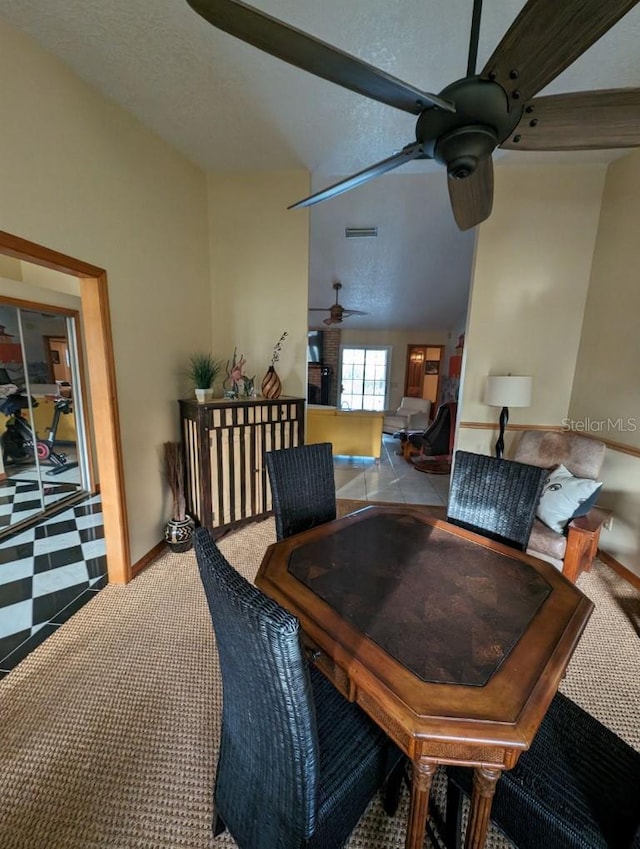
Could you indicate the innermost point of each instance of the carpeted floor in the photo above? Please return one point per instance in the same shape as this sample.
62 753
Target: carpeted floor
108 730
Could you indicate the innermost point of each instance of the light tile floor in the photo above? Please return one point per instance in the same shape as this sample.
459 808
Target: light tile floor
393 479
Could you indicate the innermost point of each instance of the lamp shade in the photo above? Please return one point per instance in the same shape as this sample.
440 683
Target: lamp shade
508 391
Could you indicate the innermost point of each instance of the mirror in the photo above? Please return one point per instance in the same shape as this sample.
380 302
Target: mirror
44 455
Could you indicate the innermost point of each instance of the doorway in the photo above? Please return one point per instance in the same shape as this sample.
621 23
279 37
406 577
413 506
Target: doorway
423 373
57 349
101 378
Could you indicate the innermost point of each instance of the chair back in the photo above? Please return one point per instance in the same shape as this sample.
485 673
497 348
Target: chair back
555 797
439 436
583 457
494 497
267 773
302 487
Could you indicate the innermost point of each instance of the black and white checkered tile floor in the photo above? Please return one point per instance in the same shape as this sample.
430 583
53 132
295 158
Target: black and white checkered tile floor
47 572
20 499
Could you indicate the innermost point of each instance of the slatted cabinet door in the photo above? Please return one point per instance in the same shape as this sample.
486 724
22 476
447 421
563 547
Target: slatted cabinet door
225 442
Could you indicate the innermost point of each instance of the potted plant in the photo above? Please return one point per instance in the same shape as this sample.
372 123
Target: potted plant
203 370
178 532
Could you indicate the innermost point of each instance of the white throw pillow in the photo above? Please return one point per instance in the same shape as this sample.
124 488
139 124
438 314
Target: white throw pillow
562 493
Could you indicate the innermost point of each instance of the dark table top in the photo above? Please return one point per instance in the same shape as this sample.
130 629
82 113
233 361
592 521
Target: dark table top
447 609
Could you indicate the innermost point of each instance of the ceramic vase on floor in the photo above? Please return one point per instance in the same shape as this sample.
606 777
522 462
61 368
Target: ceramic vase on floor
178 534
271 385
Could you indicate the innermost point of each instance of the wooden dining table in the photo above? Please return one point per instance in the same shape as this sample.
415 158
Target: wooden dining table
452 643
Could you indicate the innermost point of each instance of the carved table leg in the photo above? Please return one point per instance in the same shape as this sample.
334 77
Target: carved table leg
484 786
422 776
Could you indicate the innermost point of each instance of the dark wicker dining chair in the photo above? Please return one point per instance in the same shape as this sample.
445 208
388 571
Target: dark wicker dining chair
494 497
302 487
298 763
578 787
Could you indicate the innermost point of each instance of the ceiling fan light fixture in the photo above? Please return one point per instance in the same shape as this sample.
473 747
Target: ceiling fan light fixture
462 167
461 149
360 232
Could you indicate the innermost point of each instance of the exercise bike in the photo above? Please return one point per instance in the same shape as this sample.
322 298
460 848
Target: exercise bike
18 443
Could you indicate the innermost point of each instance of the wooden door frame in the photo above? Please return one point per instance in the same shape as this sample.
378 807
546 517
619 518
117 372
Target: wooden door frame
94 300
410 347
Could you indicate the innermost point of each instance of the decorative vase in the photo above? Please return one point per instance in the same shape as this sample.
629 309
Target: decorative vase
178 534
271 386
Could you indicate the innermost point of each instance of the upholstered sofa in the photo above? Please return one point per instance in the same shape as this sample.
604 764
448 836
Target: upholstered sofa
412 414
570 552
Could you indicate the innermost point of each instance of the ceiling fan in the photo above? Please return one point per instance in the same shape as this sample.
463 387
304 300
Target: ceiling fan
462 126
336 311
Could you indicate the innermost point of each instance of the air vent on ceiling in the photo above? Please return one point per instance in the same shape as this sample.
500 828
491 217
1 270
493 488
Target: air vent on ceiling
360 232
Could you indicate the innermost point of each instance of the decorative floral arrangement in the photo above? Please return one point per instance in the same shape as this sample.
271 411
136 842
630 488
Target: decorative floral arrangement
235 374
237 382
276 351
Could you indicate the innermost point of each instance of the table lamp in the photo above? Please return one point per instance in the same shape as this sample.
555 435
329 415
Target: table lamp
507 391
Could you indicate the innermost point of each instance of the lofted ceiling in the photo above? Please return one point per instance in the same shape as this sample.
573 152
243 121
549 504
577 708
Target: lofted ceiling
226 105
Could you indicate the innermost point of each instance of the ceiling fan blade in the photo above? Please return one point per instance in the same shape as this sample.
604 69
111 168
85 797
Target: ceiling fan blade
472 198
545 38
347 313
319 309
312 55
411 151
581 120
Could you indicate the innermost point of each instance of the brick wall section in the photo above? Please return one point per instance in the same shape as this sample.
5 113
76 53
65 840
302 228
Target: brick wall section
331 358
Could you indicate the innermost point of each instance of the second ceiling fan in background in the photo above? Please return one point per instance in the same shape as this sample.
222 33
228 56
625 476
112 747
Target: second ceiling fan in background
336 311
462 126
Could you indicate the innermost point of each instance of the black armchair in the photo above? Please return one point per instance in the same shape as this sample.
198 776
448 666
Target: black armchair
437 439
298 763
302 487
576 788
495 498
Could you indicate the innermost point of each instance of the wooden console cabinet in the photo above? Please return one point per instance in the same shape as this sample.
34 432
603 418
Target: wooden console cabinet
224 444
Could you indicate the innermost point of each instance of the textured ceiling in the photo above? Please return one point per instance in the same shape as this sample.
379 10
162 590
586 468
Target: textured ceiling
226 105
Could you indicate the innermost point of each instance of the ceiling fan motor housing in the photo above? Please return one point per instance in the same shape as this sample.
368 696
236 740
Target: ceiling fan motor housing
460 139
461 149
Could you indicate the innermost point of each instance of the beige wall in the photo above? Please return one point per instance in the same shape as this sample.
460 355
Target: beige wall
50 280
28 291
259 271
10 268
530 280
606 391
398 341
83 177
